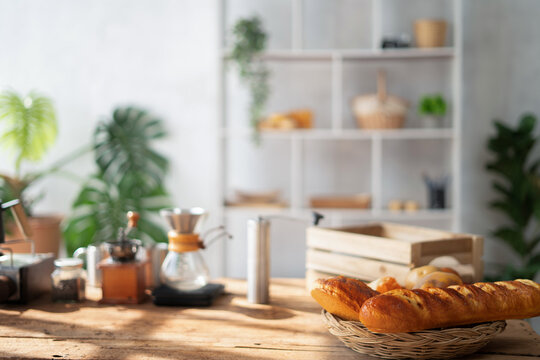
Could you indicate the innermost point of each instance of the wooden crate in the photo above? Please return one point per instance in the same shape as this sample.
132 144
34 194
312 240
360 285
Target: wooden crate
384 249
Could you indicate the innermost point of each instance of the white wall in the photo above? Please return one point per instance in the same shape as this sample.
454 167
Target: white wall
90 56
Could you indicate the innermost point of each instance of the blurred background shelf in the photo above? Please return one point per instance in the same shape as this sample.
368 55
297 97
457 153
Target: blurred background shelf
354 54
406 133
361 214
322 54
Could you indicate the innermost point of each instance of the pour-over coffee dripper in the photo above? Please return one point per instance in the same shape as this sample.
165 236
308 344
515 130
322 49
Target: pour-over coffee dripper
184 267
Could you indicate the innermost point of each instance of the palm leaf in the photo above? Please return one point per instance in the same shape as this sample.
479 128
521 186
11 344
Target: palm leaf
29 125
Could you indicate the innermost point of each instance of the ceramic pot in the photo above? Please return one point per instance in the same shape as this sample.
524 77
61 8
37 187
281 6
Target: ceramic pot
432 122
46 234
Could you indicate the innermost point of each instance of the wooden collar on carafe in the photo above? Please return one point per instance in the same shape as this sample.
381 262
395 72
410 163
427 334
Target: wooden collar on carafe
184 242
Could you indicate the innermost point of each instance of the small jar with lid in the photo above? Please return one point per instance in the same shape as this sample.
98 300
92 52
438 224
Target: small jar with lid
68 280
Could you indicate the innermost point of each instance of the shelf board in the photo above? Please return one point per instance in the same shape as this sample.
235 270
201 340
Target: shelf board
368 214
355 54
333 134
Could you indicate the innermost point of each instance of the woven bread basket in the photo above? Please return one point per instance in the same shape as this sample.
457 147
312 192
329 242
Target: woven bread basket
428 344
380 110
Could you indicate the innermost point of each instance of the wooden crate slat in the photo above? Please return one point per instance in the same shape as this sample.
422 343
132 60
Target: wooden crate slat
364 269
374 250
443 247
477 253
361 245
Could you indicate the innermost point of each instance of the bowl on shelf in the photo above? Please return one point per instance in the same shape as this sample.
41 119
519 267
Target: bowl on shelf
294 119
380 110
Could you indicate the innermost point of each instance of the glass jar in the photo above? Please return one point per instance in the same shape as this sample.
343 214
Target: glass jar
68 280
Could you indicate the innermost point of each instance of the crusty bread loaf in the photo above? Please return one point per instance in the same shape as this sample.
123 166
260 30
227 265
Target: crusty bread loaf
342 296
384 284
405 310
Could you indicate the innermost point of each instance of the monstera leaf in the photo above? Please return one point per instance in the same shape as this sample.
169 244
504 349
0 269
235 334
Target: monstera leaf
129 178
123 148
100 210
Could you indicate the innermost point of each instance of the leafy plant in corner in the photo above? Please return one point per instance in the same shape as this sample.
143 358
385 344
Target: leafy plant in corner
130 175
517 186
249 42
432 105
28 128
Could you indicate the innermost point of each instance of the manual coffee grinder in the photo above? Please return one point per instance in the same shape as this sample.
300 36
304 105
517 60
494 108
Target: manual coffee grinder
184 275
123 275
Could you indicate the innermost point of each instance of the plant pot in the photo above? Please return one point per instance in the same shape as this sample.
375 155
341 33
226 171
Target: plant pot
431 121
45 233
429 33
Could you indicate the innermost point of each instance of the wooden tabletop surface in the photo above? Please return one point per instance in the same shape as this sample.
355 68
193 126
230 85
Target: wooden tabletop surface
289 328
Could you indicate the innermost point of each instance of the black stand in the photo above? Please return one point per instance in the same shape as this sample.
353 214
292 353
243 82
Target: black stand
166 296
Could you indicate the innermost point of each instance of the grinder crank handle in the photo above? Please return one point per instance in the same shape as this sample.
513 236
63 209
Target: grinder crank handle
133 219
21 220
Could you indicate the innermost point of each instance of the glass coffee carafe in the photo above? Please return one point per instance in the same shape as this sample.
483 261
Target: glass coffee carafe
184 267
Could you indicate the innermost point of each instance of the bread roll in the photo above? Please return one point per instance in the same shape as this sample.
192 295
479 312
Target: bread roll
450 270
413 310
416 274
342 296
438 279
384 284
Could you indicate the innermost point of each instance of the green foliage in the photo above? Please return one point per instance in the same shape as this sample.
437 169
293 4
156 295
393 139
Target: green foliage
518 189
432 105
249 42
28 128
29 125
130 177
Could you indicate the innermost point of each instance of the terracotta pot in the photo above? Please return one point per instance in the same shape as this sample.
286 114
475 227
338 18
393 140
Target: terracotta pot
429 33
45 233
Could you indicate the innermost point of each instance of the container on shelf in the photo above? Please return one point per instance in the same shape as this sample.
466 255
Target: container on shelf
371 251
429 33
380 110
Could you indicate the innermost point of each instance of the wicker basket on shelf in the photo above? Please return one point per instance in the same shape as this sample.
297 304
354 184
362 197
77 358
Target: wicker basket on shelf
380 110
428 344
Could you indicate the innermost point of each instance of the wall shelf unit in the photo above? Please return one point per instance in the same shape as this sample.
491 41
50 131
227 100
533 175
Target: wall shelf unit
343 72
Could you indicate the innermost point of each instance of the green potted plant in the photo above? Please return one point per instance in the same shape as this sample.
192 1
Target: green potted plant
129 177
249 42
517 185
28 128
432 108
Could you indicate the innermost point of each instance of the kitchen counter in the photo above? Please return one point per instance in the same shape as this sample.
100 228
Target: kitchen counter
290 328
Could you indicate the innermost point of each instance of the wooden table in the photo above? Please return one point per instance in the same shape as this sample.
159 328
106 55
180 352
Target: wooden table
290 328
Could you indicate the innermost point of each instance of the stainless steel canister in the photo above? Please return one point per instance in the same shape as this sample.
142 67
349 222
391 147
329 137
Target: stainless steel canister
258 262
156 255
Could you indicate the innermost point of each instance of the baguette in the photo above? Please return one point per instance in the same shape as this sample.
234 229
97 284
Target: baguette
405 310
342 296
